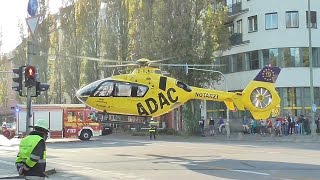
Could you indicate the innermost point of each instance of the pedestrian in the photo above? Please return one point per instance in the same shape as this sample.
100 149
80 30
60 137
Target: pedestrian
201 126
291 125
254 125
318 125
269 125
152 129
221 124
245 125
211 126
263 128
31 159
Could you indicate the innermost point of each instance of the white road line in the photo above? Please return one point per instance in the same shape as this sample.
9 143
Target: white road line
249 146
136 157
110 143
182 162
251 172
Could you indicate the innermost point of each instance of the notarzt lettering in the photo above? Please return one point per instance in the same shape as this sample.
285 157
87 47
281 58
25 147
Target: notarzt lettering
207 95
152 104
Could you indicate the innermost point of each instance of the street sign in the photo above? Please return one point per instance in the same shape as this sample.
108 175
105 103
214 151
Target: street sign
32 23
32 7
314 108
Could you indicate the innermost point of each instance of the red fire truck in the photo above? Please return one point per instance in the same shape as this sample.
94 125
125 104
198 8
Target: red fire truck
65 120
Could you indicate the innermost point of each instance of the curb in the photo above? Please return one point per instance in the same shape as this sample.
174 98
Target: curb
47 173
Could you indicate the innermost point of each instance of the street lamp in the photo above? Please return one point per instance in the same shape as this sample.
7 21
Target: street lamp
226 89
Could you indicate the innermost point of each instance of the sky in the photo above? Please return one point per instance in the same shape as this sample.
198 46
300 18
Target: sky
11 13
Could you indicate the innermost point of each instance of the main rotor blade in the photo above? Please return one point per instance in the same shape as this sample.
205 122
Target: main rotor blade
193 65
53 57
120 65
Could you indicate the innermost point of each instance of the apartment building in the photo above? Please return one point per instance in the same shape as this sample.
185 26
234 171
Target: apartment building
273 32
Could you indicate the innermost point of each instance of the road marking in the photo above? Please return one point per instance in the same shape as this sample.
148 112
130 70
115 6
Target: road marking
249 146
250 172
110 143
132 157
180 162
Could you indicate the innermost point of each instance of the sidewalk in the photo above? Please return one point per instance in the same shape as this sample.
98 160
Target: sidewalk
222 137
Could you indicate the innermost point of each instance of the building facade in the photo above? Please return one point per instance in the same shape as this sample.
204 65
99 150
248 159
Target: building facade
274 33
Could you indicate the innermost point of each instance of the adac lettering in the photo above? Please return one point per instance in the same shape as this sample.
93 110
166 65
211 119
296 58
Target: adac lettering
152 105
207 95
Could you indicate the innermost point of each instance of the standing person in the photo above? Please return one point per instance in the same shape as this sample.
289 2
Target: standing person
269 125
263 127
221 124
245 125
201 126
152 129
254 126
211 126
291 124
318 125
31 159
277 127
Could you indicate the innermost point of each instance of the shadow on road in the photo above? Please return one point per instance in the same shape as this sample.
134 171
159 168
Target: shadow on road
244 169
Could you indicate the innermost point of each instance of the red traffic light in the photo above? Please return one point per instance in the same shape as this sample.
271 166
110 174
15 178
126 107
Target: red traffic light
30 72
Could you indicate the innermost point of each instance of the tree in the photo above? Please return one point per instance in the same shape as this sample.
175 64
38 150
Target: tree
71 45
89 32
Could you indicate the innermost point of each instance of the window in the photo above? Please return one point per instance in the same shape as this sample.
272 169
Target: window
270 56
272 21
230 28
239 26
142 90
240 61
292 19
183 86
105 89
253 23
122 89
291 57
254 60
313 15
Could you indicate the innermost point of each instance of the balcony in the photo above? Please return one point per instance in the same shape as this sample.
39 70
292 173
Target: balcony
236 9
236 39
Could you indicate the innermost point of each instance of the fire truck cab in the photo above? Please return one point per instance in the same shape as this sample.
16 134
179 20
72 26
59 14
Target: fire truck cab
65 120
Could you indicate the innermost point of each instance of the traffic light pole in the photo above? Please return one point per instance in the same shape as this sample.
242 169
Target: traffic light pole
30 52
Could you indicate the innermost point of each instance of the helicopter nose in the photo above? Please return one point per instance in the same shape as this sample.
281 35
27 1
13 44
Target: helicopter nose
85 92
82 94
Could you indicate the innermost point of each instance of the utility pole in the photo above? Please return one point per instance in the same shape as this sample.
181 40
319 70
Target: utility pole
313 123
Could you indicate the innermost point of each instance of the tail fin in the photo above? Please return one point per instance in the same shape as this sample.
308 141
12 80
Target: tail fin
260 96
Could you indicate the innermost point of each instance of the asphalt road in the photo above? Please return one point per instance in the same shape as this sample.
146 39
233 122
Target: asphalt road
113 157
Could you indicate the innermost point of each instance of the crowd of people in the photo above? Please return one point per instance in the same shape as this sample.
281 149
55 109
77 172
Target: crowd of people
279 126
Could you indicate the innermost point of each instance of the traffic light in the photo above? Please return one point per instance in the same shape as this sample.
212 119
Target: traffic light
18 79
30 76
41 87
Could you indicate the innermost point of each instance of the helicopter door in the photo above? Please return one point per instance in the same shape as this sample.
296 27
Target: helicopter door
104 95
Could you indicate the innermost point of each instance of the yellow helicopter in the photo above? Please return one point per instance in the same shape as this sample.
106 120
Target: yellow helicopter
147 92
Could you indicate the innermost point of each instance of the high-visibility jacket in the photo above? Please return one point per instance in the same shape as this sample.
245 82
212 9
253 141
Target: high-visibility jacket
32 154
152 129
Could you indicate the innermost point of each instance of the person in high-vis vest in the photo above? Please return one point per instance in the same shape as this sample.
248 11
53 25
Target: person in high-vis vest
152 129
31 159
